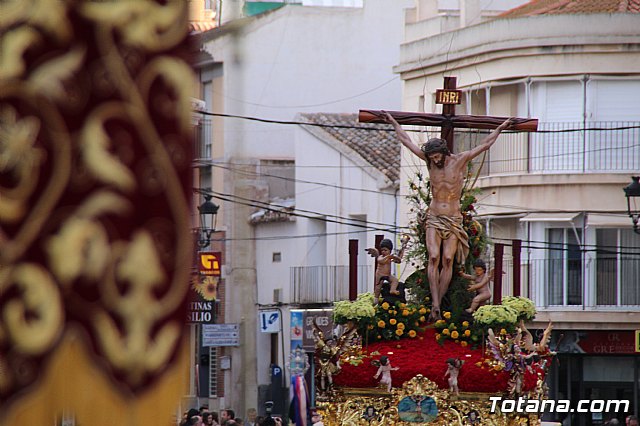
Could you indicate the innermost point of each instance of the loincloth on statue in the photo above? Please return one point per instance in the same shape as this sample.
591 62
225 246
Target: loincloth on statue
447 226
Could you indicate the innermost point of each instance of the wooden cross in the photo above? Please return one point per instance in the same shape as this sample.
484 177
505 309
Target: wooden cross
448 120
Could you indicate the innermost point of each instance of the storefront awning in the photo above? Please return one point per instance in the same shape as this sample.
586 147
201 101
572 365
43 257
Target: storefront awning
605 220
550 217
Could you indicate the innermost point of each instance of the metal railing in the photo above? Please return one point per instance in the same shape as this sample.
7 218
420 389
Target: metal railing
607 146
325 284
590 282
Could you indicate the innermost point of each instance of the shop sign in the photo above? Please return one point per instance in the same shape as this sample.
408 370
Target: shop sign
209 263
595 341
324 320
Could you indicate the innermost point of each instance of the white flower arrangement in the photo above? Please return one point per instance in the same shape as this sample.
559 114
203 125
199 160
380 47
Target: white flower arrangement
357 310
491 315
525 308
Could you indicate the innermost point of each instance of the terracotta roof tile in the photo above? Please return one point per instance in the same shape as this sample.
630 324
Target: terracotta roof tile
201 26
380 148
556 7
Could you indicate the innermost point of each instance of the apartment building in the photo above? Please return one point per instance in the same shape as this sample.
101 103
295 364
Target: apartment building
573 66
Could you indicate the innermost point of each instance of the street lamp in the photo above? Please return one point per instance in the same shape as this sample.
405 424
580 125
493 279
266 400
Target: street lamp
208 213
632 191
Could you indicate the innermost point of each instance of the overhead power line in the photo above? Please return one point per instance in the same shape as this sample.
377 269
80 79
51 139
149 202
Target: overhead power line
385 129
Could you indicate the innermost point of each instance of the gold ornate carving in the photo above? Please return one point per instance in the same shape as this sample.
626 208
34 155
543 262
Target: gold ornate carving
349 407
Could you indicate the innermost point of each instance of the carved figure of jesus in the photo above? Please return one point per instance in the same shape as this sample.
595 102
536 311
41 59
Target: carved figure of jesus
446 239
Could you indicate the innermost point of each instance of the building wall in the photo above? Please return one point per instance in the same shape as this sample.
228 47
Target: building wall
274 66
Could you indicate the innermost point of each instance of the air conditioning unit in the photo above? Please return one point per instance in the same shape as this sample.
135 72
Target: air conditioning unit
277 295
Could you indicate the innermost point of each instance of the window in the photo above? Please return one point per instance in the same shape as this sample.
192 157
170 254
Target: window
564 267
279 175
206 137
276 257
617 267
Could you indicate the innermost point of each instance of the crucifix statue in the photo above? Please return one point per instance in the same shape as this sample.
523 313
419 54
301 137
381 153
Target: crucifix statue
446 239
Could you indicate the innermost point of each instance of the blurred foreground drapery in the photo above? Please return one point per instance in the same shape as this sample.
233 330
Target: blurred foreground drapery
95 177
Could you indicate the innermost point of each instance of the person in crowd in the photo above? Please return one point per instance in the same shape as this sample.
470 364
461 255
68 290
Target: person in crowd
227 414
210 419
252 413
194 418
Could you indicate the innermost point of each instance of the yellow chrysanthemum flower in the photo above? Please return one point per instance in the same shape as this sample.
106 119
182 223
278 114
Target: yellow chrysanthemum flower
467 333
399 332
381 324
405 313
402 305
392 321
503 331
401 326
445 331
447 315
438 336
385 306
422 319
422 311
454 334
412 333
463 343
370 327
465 323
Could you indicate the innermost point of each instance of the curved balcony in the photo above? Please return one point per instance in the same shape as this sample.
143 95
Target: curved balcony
605 147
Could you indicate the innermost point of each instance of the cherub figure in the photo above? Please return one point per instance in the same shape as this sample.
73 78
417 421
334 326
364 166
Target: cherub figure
328 355
384 260
481 281
542 347
453 371
385 369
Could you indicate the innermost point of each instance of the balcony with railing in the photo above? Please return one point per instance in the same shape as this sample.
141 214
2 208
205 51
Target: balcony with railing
584 283
600 147
324 284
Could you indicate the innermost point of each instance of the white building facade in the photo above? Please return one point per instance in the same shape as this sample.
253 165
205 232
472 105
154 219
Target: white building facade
558 190
289 61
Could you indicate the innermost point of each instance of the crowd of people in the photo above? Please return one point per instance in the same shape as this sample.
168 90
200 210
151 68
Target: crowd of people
227 417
